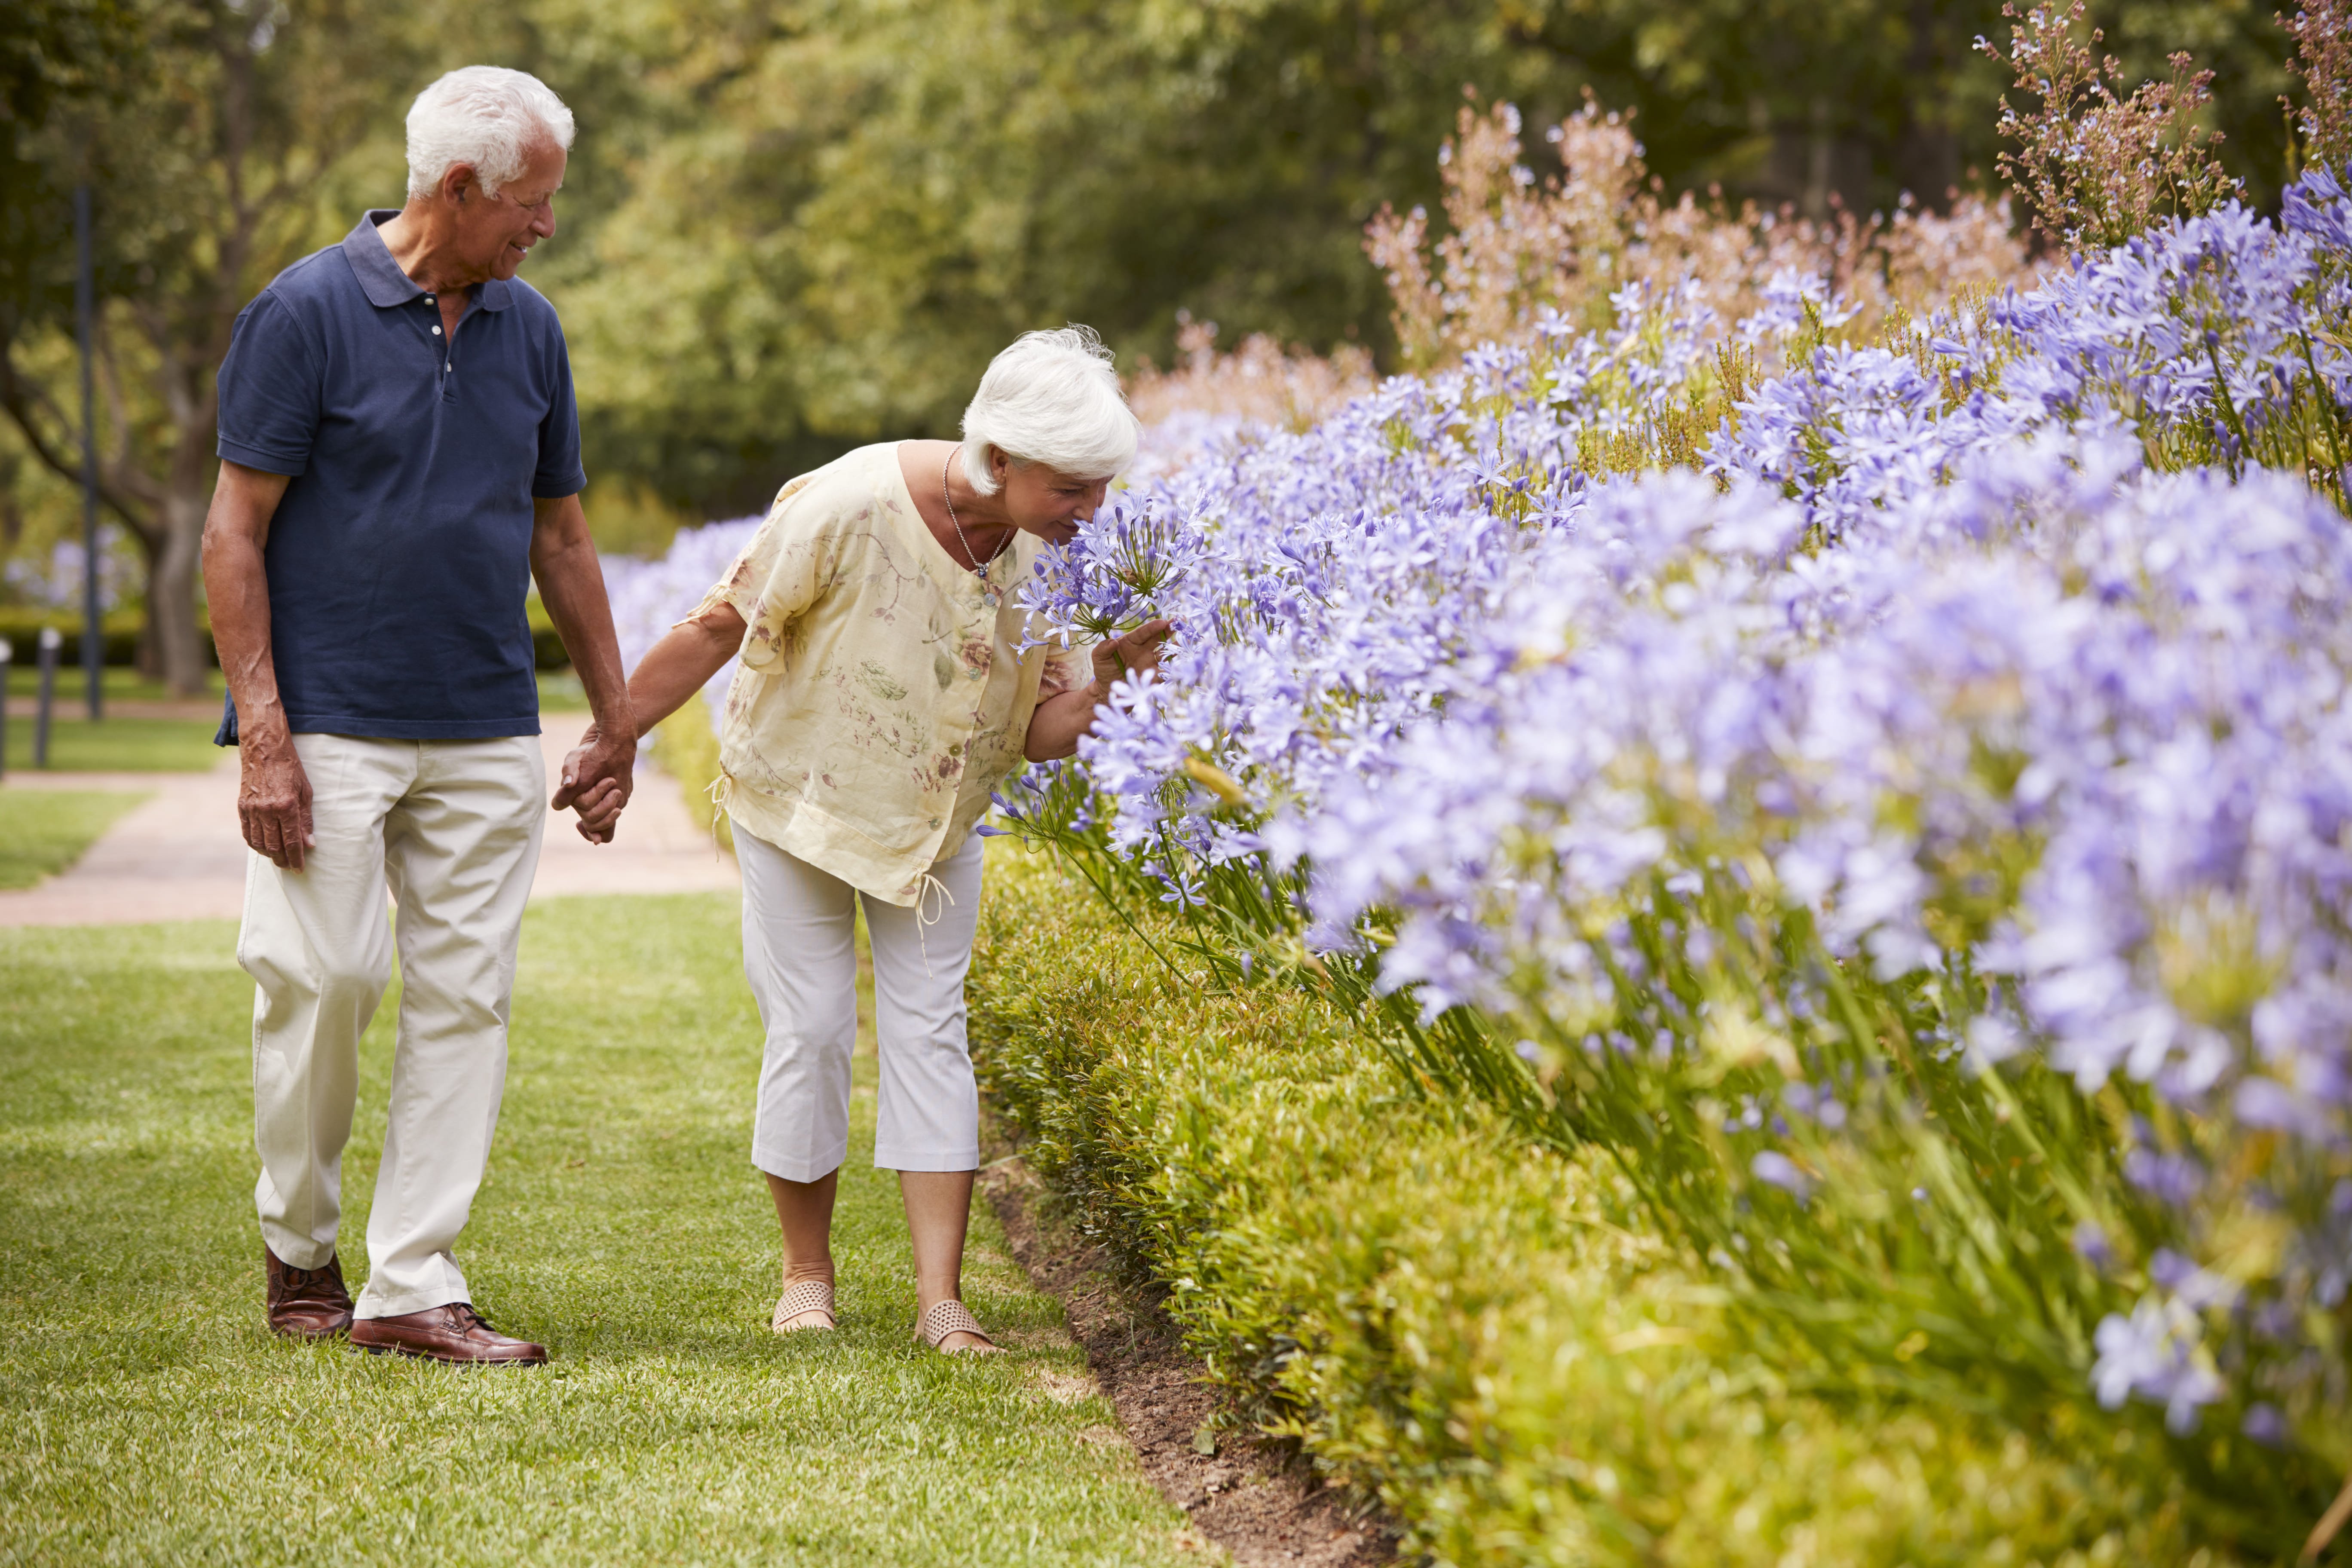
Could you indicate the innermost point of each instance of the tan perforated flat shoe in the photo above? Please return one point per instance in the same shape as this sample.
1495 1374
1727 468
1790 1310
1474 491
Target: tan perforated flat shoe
808 1296
951 1317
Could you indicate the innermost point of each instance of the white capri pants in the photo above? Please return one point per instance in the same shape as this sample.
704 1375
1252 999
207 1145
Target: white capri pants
800 954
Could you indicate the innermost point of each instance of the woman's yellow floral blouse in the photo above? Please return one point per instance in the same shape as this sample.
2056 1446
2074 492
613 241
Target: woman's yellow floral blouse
880 697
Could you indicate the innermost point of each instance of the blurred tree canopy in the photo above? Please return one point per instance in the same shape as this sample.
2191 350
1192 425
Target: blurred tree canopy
212 137
53 52
845 210
791 226
827 215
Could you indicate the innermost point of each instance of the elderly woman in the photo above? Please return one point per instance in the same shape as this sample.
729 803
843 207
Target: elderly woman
884 693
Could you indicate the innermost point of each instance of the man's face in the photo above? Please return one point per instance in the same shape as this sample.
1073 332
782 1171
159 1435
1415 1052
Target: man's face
495 233
1045 501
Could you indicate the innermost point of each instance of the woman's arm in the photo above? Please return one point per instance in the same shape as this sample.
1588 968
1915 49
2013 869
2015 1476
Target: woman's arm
682 664
1060 720
673 670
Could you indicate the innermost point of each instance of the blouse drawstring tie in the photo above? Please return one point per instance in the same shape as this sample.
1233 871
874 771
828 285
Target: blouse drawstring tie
923 890
721 792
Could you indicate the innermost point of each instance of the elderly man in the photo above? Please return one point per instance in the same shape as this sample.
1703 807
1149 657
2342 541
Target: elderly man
400 454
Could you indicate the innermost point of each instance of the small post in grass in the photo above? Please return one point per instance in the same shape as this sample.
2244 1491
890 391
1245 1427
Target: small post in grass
50 641
6 653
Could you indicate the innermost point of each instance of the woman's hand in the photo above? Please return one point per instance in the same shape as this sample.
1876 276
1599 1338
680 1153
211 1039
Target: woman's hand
599 806
673 671
596 782
1123 656
1060 719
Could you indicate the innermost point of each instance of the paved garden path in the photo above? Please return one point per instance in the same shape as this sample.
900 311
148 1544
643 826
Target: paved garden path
177 856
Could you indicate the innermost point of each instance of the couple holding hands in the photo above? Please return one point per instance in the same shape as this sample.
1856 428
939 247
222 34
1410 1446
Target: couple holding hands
400 459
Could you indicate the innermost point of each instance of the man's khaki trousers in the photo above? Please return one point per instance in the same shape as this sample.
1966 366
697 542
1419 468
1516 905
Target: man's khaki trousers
451 828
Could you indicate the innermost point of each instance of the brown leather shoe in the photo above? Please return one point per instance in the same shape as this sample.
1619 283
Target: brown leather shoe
307 1304
455 1333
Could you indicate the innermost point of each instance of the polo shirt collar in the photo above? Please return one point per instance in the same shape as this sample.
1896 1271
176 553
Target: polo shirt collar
383 281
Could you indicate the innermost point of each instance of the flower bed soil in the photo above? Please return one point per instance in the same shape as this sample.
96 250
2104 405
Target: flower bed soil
1253 1498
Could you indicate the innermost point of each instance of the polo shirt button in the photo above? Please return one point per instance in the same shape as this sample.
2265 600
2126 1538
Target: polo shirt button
436 331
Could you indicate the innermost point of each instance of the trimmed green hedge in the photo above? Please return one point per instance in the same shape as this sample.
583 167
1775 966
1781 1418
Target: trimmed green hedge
1470 1329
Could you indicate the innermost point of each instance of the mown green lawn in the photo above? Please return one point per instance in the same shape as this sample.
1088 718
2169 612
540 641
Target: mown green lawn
43 831
150 1417
117 683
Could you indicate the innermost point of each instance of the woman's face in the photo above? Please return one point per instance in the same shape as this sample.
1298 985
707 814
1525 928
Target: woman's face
1045 501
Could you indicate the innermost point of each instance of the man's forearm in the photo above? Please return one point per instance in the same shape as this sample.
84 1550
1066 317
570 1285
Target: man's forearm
237 593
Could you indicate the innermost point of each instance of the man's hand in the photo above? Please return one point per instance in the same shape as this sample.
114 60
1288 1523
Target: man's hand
598 775
273 798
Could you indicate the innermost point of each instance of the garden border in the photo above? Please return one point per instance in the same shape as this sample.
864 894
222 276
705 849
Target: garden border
1255 1499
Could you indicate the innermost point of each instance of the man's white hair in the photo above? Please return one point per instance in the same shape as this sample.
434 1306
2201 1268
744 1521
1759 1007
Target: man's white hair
488 116
1051 398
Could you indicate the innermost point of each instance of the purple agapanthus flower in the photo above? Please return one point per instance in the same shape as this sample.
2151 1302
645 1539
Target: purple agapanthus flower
2000 654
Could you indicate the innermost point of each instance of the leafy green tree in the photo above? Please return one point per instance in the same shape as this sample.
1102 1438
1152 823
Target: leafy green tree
213 150
851 207
52 52
789 226
817 219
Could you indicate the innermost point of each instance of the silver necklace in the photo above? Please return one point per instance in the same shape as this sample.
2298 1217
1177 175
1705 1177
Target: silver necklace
979 567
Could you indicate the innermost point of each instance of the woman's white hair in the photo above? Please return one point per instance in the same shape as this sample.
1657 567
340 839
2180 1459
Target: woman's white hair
488 116
1051 398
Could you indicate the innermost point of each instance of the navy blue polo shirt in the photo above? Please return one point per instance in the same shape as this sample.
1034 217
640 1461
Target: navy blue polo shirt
400 559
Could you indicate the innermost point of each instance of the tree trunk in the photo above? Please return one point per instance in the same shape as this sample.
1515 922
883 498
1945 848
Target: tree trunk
185 380
146 656
1815 203
1927 158
171 591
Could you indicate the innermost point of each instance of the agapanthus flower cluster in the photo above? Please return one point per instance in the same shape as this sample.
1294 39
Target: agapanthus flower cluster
1126 566
2068 733
2216 338
1993 675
